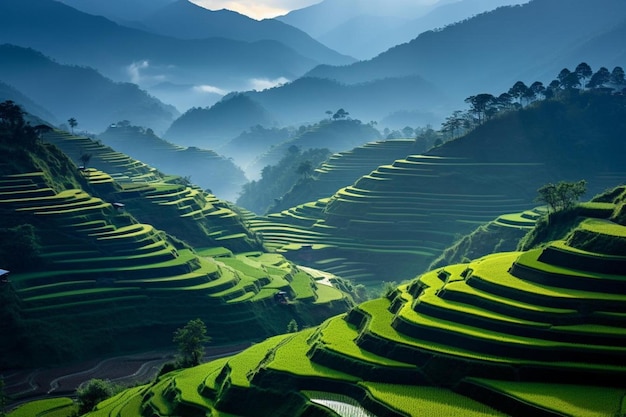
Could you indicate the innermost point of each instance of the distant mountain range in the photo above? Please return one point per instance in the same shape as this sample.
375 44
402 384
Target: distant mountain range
493 50
365 28
147 59
433 74
58 92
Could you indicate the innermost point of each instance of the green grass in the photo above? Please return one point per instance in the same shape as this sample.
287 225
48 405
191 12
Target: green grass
571 400
53 407
339 336
291 357
419 401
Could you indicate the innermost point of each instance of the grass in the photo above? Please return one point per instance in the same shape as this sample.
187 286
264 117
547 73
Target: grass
53 407
571 400
420 401
339 336
291 357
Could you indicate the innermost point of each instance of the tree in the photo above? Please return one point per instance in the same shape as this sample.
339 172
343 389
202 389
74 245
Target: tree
617 76
340 114
94 392
519 91
11 114
583 71
292 326
561 196
191 339
305 169
85 158
73 123
599 78
480 104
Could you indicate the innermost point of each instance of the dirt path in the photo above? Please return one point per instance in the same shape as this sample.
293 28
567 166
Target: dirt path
127 370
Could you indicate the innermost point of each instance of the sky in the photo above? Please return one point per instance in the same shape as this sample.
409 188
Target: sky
257 9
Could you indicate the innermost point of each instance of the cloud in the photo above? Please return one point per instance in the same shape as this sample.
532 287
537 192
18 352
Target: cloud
134 70
260 84
205 88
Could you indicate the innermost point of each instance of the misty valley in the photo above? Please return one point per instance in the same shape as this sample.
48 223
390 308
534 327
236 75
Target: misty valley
355 208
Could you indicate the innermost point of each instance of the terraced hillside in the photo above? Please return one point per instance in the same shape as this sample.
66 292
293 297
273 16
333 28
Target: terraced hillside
97 265
178 207
539 332
90 279
204 167
343 169
391 223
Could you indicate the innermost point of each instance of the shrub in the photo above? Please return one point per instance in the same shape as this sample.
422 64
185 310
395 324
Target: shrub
93 392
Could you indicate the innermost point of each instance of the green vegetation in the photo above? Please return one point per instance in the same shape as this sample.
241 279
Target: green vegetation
93 392
295 167
112 244
53 407
561 196
469 338
191 340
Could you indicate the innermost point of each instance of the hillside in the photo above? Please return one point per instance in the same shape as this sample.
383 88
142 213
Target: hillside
186 20
391 223
119 245
535 332
214 126
79 92
203 167
365 30
439 69
336 135
343 169
130 55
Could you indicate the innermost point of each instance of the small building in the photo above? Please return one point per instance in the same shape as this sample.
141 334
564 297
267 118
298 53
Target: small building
118 206
4 276
281 297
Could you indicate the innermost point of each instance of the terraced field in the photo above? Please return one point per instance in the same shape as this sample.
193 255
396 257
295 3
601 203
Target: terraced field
206 168
122 284
390 224
514 333
201 219
344 168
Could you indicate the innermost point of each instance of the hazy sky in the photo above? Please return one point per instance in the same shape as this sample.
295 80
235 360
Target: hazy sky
258 9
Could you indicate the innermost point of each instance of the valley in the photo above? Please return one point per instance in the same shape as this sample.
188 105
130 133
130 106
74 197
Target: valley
206 214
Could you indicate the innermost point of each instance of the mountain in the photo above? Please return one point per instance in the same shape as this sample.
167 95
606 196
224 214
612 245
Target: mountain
33 109
113 248
185 20
79 92
365 29
126 54
493 50
212 127
305 100
532 332
203 167
121 11
391 223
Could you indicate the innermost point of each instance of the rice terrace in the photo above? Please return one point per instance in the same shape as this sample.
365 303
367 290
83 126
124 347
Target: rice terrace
312 209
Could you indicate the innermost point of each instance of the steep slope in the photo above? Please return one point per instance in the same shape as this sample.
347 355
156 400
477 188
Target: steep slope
126 54
95 280
538 332
343 169
203 167
450 60
367 35
82 93
186 20
390 224
214 126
